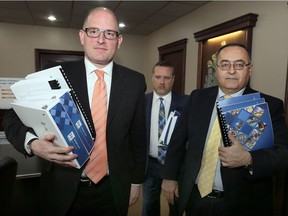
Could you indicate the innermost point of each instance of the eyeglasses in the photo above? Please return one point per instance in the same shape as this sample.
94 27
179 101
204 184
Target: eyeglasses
95 32
238 65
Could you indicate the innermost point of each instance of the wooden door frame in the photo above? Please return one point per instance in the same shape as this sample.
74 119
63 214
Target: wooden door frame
245 22
177 46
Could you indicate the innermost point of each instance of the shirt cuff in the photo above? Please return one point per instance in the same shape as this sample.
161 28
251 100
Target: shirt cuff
28 138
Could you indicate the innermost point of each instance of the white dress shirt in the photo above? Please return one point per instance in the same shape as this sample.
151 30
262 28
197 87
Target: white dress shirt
154 139
218 185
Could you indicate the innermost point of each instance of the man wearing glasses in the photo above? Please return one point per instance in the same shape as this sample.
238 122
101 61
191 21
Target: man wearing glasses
121 136
241 182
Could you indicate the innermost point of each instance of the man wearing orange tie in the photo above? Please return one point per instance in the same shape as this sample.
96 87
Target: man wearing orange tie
111 98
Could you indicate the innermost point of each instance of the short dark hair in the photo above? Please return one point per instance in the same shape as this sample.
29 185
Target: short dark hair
231 45
164 63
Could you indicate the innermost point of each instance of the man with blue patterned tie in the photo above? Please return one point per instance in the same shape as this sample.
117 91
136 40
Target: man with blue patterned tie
159 104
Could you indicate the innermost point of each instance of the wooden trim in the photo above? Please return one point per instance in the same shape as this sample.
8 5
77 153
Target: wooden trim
245 22
174 47
43 56
165 49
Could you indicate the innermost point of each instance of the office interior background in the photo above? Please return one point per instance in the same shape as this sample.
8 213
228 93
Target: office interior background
140 52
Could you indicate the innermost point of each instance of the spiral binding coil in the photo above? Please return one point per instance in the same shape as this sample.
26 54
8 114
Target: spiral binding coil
78 102
223 126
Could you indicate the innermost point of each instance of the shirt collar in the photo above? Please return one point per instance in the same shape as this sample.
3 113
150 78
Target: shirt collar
165 97
221 93
90 67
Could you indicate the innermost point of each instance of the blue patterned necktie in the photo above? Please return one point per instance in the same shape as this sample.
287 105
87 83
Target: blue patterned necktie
161 123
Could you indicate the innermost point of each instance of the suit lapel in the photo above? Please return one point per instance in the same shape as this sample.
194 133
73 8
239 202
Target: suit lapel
118 86
77 77
205 108
249 91
174 102
149 99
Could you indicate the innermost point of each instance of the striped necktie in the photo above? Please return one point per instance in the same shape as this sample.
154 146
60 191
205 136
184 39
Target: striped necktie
161 123
97 165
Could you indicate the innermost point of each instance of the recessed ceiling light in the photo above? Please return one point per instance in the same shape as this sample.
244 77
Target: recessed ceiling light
52 18
121 25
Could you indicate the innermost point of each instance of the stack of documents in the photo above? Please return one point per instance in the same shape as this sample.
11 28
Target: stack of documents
169 128
249 120
43 102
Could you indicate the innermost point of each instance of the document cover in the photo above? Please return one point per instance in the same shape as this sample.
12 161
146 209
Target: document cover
44 103
248 118
58 116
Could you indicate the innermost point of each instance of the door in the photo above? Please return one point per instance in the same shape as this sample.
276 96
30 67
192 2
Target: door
175 53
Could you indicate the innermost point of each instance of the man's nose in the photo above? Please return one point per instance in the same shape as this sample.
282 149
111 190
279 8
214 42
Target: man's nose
101 38
232 69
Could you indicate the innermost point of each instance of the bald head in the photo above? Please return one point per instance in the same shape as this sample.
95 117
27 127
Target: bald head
99 11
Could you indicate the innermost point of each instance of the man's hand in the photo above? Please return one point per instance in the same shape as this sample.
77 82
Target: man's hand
170 189
45 149
235 155
134 194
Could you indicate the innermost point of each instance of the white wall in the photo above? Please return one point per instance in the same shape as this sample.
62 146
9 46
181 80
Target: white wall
269 50
133 53
270 40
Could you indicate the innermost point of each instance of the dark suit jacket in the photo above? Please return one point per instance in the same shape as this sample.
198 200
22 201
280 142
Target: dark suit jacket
126 140
245 194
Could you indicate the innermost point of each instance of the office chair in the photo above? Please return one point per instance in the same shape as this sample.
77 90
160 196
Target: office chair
8 170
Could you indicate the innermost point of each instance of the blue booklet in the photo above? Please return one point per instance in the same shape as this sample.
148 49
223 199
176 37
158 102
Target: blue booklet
55 112
249 120
240 99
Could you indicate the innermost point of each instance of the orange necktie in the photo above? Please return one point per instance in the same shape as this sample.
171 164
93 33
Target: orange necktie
97 165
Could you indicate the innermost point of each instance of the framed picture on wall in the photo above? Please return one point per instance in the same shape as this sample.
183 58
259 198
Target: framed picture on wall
44 57
238 30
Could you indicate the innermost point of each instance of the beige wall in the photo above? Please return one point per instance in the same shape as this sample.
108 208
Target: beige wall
270 40
17 44
269 51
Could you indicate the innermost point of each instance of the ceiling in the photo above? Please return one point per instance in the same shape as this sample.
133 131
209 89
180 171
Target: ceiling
140 17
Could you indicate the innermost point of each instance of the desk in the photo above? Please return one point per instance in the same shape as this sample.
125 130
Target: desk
27 167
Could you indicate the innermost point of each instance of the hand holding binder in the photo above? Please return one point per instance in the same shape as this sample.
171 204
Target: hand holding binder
248 118
44 103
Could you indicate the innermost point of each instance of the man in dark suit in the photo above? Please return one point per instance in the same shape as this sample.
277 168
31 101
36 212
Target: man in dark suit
162 80
242 182
65 189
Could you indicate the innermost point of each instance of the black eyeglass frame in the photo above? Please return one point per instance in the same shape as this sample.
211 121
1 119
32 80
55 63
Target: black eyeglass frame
105 31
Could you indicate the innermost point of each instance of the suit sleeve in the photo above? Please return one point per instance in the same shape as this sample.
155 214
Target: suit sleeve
15 130
177 147
138 137
271 161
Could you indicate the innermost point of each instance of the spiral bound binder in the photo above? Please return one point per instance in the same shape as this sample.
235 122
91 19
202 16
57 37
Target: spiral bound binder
248 119
223 126
79 105
47 102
